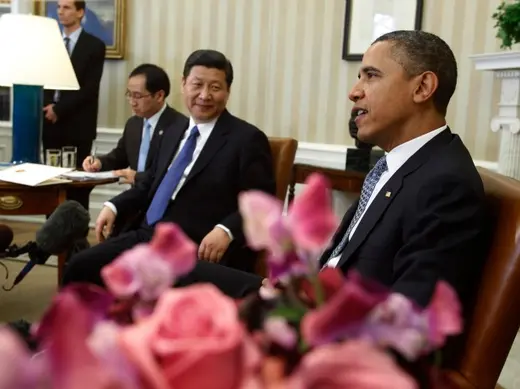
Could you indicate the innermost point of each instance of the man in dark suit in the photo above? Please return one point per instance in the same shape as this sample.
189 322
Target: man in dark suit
203 163
147 90
421 215
71 116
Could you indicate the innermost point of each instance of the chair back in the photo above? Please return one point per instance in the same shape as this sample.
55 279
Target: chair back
494 321
283 151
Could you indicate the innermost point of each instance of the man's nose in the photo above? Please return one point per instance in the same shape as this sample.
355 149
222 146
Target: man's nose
356 93
204 94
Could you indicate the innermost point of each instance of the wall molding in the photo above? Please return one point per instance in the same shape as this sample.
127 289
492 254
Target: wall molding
318 154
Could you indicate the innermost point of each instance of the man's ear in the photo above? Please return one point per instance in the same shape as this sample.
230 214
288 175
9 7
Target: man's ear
427 84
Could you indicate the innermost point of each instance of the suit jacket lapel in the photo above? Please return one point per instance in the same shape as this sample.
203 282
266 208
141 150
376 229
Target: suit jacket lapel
216 140
78 51
136 135
389 191
170 143
164 121
372 215
338 235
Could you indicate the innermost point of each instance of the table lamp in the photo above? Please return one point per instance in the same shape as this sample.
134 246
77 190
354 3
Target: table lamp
33 57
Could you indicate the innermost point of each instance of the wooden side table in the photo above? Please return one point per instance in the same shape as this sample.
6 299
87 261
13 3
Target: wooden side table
18 199
343 180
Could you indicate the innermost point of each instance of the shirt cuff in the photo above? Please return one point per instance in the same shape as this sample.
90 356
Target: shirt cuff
111 206
228 231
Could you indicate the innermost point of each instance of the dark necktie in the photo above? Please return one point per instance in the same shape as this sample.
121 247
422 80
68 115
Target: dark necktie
171 179
369 184
67 44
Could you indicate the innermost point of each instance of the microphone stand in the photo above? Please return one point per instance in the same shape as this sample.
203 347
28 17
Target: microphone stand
14 251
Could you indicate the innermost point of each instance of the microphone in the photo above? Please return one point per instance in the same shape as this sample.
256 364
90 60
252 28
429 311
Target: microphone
65 230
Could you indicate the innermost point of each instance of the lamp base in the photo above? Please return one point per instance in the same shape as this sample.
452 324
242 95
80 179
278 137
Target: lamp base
27 123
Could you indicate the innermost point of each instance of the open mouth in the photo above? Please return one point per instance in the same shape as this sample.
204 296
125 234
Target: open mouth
358 113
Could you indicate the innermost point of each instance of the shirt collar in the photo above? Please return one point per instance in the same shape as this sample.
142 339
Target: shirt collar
154 119
74 36
399 155
203 127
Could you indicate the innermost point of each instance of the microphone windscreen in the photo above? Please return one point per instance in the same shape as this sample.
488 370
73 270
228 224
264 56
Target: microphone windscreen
68 223
6 237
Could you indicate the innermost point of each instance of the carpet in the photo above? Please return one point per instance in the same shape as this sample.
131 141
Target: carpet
31 297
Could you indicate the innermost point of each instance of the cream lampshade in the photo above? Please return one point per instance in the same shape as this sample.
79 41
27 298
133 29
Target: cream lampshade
33 57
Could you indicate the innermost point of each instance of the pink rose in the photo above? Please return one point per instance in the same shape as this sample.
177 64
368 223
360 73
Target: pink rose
353 364
148 269
193 339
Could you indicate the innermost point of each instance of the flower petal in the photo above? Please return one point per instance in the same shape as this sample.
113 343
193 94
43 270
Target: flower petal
175 247
280 332
352 364
261 214
347 309
444 311
311 216
71 363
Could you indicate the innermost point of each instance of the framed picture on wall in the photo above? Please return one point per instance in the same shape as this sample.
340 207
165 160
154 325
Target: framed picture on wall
366 20
103 18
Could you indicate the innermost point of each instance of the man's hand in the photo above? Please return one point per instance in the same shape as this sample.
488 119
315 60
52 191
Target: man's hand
50 115
214 245
104 223
127 175
91 164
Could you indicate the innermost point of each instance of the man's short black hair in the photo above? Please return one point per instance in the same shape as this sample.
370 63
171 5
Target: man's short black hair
419 52
80 5
156 78
210 59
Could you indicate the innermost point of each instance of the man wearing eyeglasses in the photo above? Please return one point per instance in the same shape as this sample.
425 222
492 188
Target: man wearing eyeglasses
147 90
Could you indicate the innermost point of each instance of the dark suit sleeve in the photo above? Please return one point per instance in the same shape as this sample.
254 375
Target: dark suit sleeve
443 239
256 172
117 158
89 87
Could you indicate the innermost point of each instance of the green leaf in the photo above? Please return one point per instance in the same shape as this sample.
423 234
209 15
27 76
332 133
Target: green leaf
291 314
507 18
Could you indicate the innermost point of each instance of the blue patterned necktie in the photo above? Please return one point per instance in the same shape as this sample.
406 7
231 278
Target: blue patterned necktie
145 146
368 187
171 179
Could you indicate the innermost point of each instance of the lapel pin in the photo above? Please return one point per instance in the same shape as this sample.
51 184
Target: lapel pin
388 194
160 132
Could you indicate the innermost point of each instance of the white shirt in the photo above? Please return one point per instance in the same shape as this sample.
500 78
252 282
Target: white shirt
394 160
73 39
152 120
205 130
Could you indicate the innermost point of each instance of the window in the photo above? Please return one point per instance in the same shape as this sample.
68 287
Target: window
5 93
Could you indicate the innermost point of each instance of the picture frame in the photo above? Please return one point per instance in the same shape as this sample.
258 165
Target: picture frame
366 20
105 19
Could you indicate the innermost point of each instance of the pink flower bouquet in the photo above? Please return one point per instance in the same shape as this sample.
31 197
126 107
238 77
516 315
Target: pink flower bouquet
315 330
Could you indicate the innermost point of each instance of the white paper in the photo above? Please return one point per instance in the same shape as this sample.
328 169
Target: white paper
89 175
31 174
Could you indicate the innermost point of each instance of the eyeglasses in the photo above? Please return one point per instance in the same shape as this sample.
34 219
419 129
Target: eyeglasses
136 96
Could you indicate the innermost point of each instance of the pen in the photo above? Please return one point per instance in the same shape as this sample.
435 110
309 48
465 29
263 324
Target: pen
93 156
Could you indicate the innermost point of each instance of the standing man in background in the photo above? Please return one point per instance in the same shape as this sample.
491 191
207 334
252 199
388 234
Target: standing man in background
71 116
147 90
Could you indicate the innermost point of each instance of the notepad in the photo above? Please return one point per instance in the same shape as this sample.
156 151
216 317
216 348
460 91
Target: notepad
77 175
32 174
